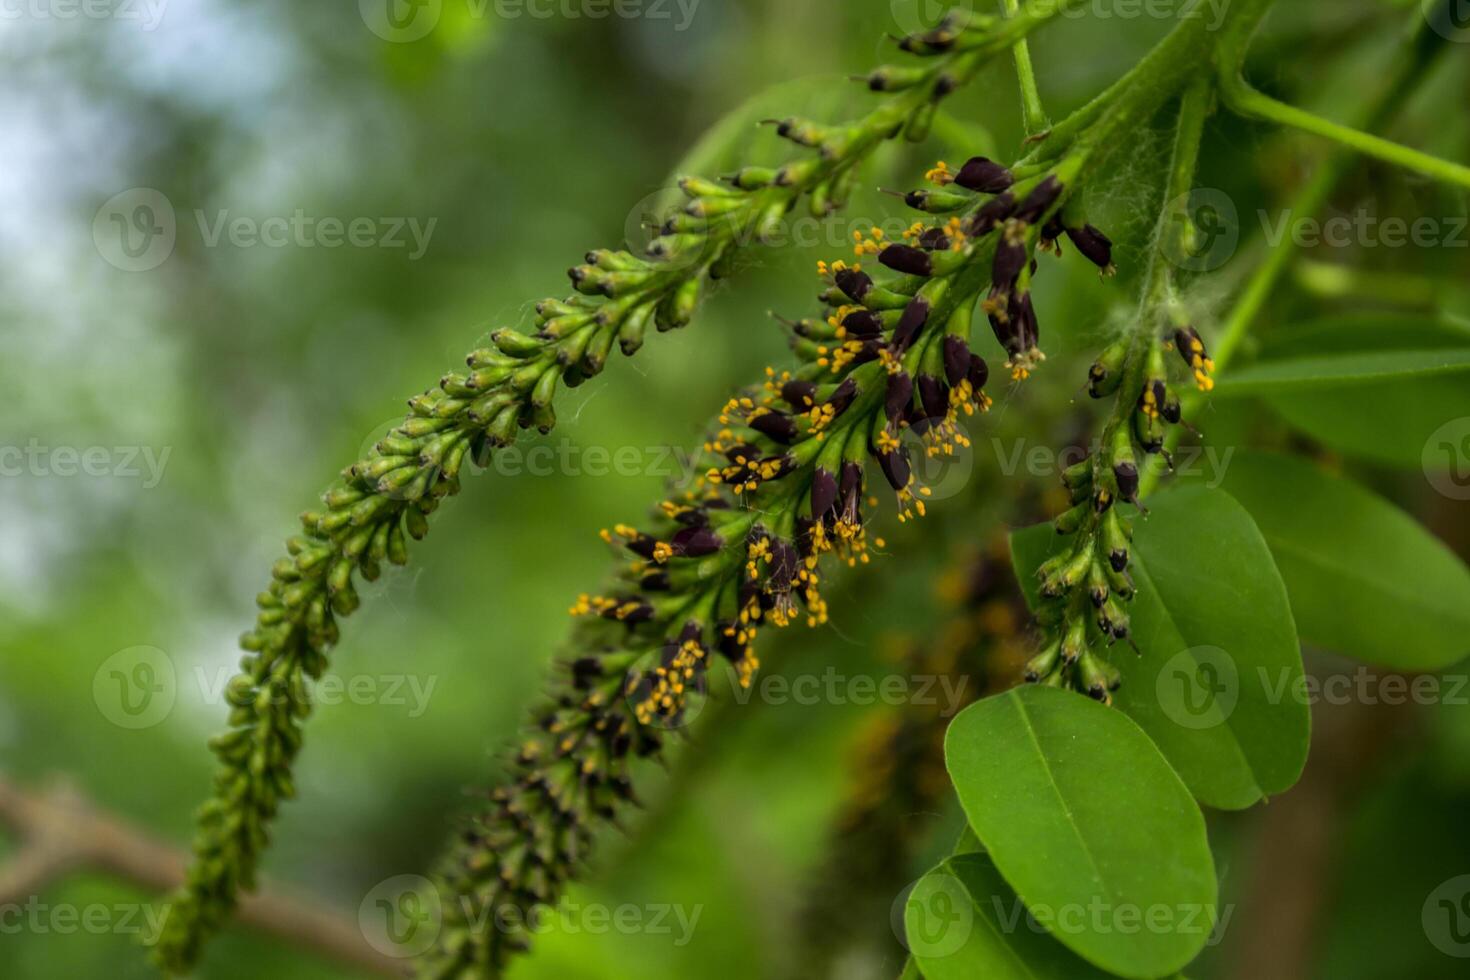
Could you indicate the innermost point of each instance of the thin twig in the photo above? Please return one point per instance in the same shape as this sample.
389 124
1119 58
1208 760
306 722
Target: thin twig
60 832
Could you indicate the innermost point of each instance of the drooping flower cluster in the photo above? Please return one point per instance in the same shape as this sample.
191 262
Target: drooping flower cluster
784 484
1085 588
509 385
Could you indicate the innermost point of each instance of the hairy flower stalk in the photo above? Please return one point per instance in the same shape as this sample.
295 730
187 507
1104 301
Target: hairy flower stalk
1085 588
787 485
385 499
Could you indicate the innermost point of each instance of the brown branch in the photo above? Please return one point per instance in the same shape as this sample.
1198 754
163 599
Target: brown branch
61 832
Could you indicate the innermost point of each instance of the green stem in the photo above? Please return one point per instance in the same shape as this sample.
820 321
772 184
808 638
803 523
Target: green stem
1247 101
1032 112
1424 49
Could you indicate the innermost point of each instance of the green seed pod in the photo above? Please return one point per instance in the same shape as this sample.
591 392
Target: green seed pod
753 178
1119 582
332 522
1149 431
803 132
378 546
482 410
701 187
594 358
418 427
501 430
1106 373
937 202
561 327
1112 618
513 343
1075 571
1115 540
1072 520
820 203
545 389
1078 475
1098 585
415 523
370 470
633 328
1098 677
1044 663
714 207
893 78
345 601
526 378
396 549
1074 643
543 417
396 445
677 309
884 299
448 408
916 130
549 309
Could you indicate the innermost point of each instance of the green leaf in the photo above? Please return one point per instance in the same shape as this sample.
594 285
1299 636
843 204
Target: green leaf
1343 370
1218 681
1364 578
1388 419
962 921
1089 825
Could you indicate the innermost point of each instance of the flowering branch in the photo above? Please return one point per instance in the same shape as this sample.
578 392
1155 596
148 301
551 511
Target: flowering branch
385 499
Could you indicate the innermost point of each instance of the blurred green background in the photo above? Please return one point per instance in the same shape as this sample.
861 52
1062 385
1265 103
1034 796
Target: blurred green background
247 374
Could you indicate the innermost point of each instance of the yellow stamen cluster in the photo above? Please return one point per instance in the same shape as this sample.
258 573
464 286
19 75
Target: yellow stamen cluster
670 684
1202 365
601 605
911 505
1150 404
836 359
870 244
736 408
954 230
1023 364
940 174
942 437
757 553
850 543
825 270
